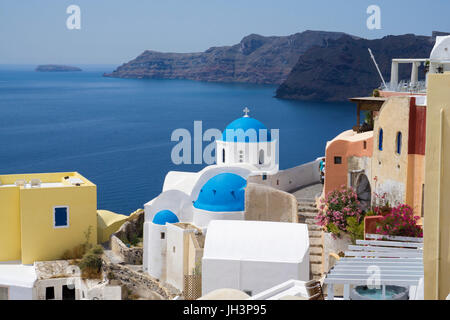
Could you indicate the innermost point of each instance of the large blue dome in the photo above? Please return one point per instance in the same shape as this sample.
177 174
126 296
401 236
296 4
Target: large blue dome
165 216
245 123
222 193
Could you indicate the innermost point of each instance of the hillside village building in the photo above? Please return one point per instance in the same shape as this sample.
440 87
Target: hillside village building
389 159
41 216
177 221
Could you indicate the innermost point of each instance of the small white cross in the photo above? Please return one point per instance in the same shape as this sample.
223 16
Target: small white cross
246 111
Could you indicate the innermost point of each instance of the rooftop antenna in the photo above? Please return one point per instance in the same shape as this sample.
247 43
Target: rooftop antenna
246 111
378 69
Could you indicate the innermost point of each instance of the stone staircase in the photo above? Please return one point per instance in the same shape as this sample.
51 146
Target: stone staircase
307 212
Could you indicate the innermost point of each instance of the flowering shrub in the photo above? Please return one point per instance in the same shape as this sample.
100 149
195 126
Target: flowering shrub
336 208
381 204
400 221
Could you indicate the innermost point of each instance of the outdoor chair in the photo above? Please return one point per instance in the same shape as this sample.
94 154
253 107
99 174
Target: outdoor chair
314 290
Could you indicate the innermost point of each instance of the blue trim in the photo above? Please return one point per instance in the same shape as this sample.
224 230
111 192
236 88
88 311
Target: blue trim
60 217
380 140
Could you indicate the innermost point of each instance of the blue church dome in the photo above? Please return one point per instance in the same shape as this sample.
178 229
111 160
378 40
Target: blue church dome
165 216
245 123
223 192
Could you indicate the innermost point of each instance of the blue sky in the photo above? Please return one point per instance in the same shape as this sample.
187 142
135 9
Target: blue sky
115 31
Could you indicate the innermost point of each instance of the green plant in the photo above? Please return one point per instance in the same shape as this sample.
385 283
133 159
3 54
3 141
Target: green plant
368 118
400 221
91 263
80 250
336 208
355 228
376 93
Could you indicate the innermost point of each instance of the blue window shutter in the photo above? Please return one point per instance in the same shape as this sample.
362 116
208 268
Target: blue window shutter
380 140
61 217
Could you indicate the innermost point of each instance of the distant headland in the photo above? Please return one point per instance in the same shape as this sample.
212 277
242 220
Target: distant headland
55 68
311 65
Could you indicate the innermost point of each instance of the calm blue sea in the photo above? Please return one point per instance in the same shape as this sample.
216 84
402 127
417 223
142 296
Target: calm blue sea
116 132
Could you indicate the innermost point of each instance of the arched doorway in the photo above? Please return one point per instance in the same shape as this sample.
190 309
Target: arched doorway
363 191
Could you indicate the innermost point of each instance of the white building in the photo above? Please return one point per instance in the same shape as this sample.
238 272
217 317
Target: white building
247 140
253 256
215 193
17 281
177 221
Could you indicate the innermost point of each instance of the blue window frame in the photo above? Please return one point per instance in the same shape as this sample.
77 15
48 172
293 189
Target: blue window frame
60 217
399 143
380 140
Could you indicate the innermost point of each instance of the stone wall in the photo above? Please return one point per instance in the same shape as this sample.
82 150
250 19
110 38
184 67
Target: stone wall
132 228
129 255
263 203
137 283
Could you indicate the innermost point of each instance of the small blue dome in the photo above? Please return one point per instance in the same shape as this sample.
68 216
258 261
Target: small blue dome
245 123
222 193
165 216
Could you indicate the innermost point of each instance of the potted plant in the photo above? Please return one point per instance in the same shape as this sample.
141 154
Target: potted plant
341 218
401 221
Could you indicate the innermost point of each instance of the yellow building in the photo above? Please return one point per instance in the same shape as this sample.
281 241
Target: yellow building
398 158
43 215
437 192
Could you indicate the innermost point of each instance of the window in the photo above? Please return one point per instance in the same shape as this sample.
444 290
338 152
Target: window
173 249
365 144
380 140
50 293
399 143
337 160
60 217
261 156
4 293
223 155
163 235
264 176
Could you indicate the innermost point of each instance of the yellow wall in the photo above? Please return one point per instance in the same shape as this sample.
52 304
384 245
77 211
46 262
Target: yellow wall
416 179
108 222
29 213
9 224
437 189
389 167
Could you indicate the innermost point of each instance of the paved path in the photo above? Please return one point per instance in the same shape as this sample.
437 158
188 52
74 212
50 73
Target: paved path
309 192
307 211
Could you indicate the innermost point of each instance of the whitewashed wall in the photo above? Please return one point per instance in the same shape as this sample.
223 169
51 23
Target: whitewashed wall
293 178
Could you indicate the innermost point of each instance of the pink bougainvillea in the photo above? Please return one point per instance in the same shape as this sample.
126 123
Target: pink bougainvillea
400 221
336 207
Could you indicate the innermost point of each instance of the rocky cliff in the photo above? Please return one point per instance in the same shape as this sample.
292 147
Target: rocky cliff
256 59
344 69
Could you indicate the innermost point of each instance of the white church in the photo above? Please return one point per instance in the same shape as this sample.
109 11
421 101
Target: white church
176 233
